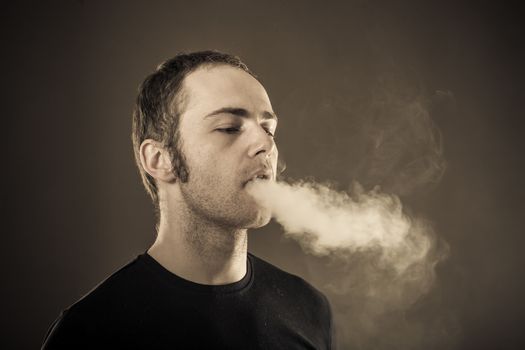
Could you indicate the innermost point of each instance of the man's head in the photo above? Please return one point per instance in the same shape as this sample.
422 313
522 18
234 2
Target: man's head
205 117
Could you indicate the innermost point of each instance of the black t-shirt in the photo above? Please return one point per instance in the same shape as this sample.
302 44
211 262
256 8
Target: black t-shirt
143 305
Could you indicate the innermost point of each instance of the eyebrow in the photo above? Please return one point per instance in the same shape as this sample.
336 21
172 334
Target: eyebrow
240 112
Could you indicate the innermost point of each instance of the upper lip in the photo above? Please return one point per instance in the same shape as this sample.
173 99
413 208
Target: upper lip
265 173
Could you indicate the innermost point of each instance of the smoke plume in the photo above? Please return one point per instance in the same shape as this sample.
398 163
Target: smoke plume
328 222
376 258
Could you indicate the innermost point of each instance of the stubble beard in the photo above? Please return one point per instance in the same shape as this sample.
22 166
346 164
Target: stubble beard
213 226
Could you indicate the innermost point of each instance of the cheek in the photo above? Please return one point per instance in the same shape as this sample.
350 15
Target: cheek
198 159
214 165
212 171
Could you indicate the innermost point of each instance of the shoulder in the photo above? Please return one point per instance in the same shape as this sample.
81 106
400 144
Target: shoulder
116 286
87 316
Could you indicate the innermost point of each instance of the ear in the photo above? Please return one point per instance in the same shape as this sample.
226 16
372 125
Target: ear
156 161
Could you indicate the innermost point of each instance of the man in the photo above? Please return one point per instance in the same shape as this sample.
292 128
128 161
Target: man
202 131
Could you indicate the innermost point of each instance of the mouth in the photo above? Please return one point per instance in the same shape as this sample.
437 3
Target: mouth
259 176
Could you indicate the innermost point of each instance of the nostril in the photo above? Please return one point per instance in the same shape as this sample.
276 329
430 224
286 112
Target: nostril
260 151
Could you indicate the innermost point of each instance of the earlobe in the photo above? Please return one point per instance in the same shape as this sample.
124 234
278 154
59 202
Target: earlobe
155 160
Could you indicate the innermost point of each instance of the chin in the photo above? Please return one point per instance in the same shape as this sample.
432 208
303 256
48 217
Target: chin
251 214
262 218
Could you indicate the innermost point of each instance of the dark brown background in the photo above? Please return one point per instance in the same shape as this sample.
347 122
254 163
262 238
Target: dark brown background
73 202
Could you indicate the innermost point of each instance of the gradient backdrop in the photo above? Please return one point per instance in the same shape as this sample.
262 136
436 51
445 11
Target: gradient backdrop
74 206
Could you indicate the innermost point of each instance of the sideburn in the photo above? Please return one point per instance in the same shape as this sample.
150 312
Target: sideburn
179 166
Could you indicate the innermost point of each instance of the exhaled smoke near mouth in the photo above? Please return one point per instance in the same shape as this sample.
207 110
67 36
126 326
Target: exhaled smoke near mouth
328 222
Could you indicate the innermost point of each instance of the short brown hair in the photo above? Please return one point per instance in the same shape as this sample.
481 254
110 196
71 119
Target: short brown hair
159 106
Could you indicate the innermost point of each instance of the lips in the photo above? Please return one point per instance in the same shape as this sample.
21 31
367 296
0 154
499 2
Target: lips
260 174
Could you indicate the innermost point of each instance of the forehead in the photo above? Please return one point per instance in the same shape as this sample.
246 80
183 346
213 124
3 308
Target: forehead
224 86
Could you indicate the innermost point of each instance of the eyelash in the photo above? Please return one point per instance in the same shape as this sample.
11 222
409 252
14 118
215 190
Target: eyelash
234 130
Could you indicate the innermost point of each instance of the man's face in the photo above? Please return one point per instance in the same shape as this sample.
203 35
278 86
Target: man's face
226 131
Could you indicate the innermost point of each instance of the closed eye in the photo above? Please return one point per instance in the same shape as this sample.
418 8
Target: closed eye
269 132
230 130
235 130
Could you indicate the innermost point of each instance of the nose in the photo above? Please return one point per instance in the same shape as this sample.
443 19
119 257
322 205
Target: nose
261 143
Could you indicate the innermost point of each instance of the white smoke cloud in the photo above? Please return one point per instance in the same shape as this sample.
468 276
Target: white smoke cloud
327 222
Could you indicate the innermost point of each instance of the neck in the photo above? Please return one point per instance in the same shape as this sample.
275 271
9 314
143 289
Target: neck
198 250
